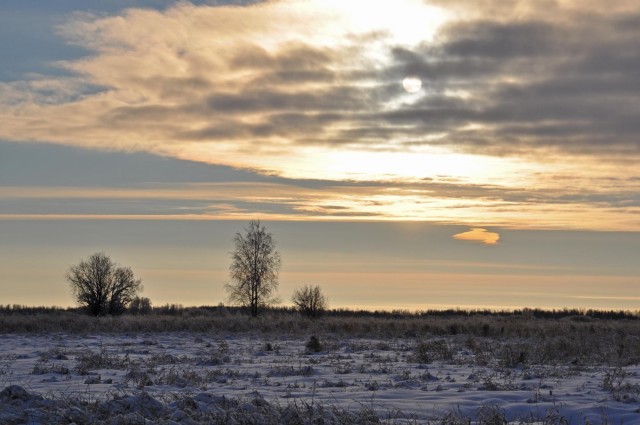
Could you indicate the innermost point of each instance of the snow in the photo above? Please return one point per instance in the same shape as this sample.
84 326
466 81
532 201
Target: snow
192 378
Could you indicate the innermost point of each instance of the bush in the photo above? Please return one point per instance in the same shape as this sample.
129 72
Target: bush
310 300
313 345
491 415
428 351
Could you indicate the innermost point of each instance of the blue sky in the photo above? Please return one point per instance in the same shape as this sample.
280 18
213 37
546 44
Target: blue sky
154 130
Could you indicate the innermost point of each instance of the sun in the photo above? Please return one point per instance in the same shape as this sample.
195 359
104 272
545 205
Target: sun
412 84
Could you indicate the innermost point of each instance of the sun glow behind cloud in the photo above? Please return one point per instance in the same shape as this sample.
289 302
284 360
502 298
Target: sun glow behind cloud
159 66
406 22
360 165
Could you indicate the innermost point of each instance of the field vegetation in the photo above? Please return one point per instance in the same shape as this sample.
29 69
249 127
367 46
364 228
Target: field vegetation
525 323
171 364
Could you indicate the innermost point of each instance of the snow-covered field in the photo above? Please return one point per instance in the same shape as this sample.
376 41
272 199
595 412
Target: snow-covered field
257 378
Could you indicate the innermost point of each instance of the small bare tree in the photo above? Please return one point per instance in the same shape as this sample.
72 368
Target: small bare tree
102 286
140 305
310 300
255 263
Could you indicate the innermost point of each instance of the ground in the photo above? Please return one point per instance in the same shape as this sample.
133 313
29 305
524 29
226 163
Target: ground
189 377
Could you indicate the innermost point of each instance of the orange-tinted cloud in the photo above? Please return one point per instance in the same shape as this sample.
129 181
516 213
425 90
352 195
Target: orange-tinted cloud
479 235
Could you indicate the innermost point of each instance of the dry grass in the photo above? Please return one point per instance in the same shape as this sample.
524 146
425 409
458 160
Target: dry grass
203 408
498 341
508 339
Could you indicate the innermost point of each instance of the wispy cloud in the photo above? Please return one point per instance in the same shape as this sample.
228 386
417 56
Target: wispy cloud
52 182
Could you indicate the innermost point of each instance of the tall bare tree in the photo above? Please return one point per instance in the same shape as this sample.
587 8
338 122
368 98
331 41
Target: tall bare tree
254 268
310 300
102 286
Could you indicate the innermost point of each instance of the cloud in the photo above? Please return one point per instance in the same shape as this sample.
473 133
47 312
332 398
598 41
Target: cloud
561 81
494 85
47 181
517 100
479 235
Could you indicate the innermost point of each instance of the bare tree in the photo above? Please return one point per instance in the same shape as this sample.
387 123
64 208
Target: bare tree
310 300
254 269
140 305
102 286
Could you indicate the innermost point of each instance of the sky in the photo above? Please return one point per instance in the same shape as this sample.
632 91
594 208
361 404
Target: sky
405 154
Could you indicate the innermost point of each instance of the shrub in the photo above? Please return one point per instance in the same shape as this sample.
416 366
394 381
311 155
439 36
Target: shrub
491 415
313 345
310 300
428 351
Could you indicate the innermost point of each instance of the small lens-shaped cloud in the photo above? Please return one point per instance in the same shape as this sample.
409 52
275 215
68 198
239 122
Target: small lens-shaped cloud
479 235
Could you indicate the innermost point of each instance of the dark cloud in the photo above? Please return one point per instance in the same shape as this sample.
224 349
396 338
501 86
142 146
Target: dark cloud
274 125
173 87
441 73
265 101
504 79
500 41
297 64
299 57
287 77
573 84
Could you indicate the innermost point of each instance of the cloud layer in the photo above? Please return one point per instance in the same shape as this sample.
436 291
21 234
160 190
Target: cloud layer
524 109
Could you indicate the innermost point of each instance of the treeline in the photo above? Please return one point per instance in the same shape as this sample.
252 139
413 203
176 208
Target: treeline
180 310
591 313
537 313
23 309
